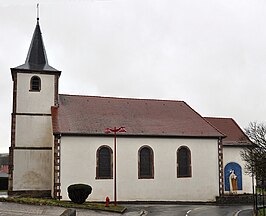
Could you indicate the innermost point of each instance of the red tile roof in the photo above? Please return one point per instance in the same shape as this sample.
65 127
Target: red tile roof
234 134
90 115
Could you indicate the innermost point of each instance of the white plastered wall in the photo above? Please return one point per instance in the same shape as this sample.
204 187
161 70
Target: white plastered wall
34 131
78 165
32 170
33 167
31 101
232 154
33 134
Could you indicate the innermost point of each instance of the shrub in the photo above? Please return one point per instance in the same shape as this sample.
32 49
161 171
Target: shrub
78 193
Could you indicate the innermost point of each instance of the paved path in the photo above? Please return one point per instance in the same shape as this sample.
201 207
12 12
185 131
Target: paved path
14 209
188 210
246 212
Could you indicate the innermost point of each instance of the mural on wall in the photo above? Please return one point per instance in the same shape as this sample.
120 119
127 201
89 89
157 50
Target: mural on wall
233 177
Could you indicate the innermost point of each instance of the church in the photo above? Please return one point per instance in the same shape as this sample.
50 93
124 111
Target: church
147 149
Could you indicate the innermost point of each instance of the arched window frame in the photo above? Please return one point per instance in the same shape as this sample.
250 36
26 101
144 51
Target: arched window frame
98 163
141 176
35 84
189 167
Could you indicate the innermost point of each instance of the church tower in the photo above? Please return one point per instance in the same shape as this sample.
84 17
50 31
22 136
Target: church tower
35 90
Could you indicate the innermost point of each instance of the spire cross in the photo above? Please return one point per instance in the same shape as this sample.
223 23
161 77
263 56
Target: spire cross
38 12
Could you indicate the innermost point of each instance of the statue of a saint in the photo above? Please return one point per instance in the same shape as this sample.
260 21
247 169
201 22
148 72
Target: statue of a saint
233 182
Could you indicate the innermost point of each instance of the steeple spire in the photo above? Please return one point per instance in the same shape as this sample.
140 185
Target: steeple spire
37 58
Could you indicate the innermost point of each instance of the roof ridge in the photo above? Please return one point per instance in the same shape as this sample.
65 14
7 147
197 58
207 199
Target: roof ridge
218 117
115 97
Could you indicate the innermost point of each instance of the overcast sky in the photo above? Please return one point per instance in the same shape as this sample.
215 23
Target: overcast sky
208 53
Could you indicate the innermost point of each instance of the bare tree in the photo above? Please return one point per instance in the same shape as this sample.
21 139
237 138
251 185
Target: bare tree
255 155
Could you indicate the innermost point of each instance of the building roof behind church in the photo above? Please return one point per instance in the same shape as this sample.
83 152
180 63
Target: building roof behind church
36 58
3 175
234 134
90 115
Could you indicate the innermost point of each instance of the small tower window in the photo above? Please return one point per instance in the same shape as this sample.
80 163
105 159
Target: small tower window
35 83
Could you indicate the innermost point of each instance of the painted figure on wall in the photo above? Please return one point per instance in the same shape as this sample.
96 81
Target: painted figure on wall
233 182
233 177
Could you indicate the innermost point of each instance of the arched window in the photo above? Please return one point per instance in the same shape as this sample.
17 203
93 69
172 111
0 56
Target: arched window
183 162
146 163
35 83
104 168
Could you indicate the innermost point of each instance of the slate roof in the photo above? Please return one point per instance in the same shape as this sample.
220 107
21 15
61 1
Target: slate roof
234 134
36 58
90 115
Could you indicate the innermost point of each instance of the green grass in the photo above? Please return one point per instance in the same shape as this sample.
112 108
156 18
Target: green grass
260 213
66 204
260 191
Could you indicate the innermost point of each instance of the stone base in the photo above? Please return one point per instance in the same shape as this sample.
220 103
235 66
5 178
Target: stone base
232 199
